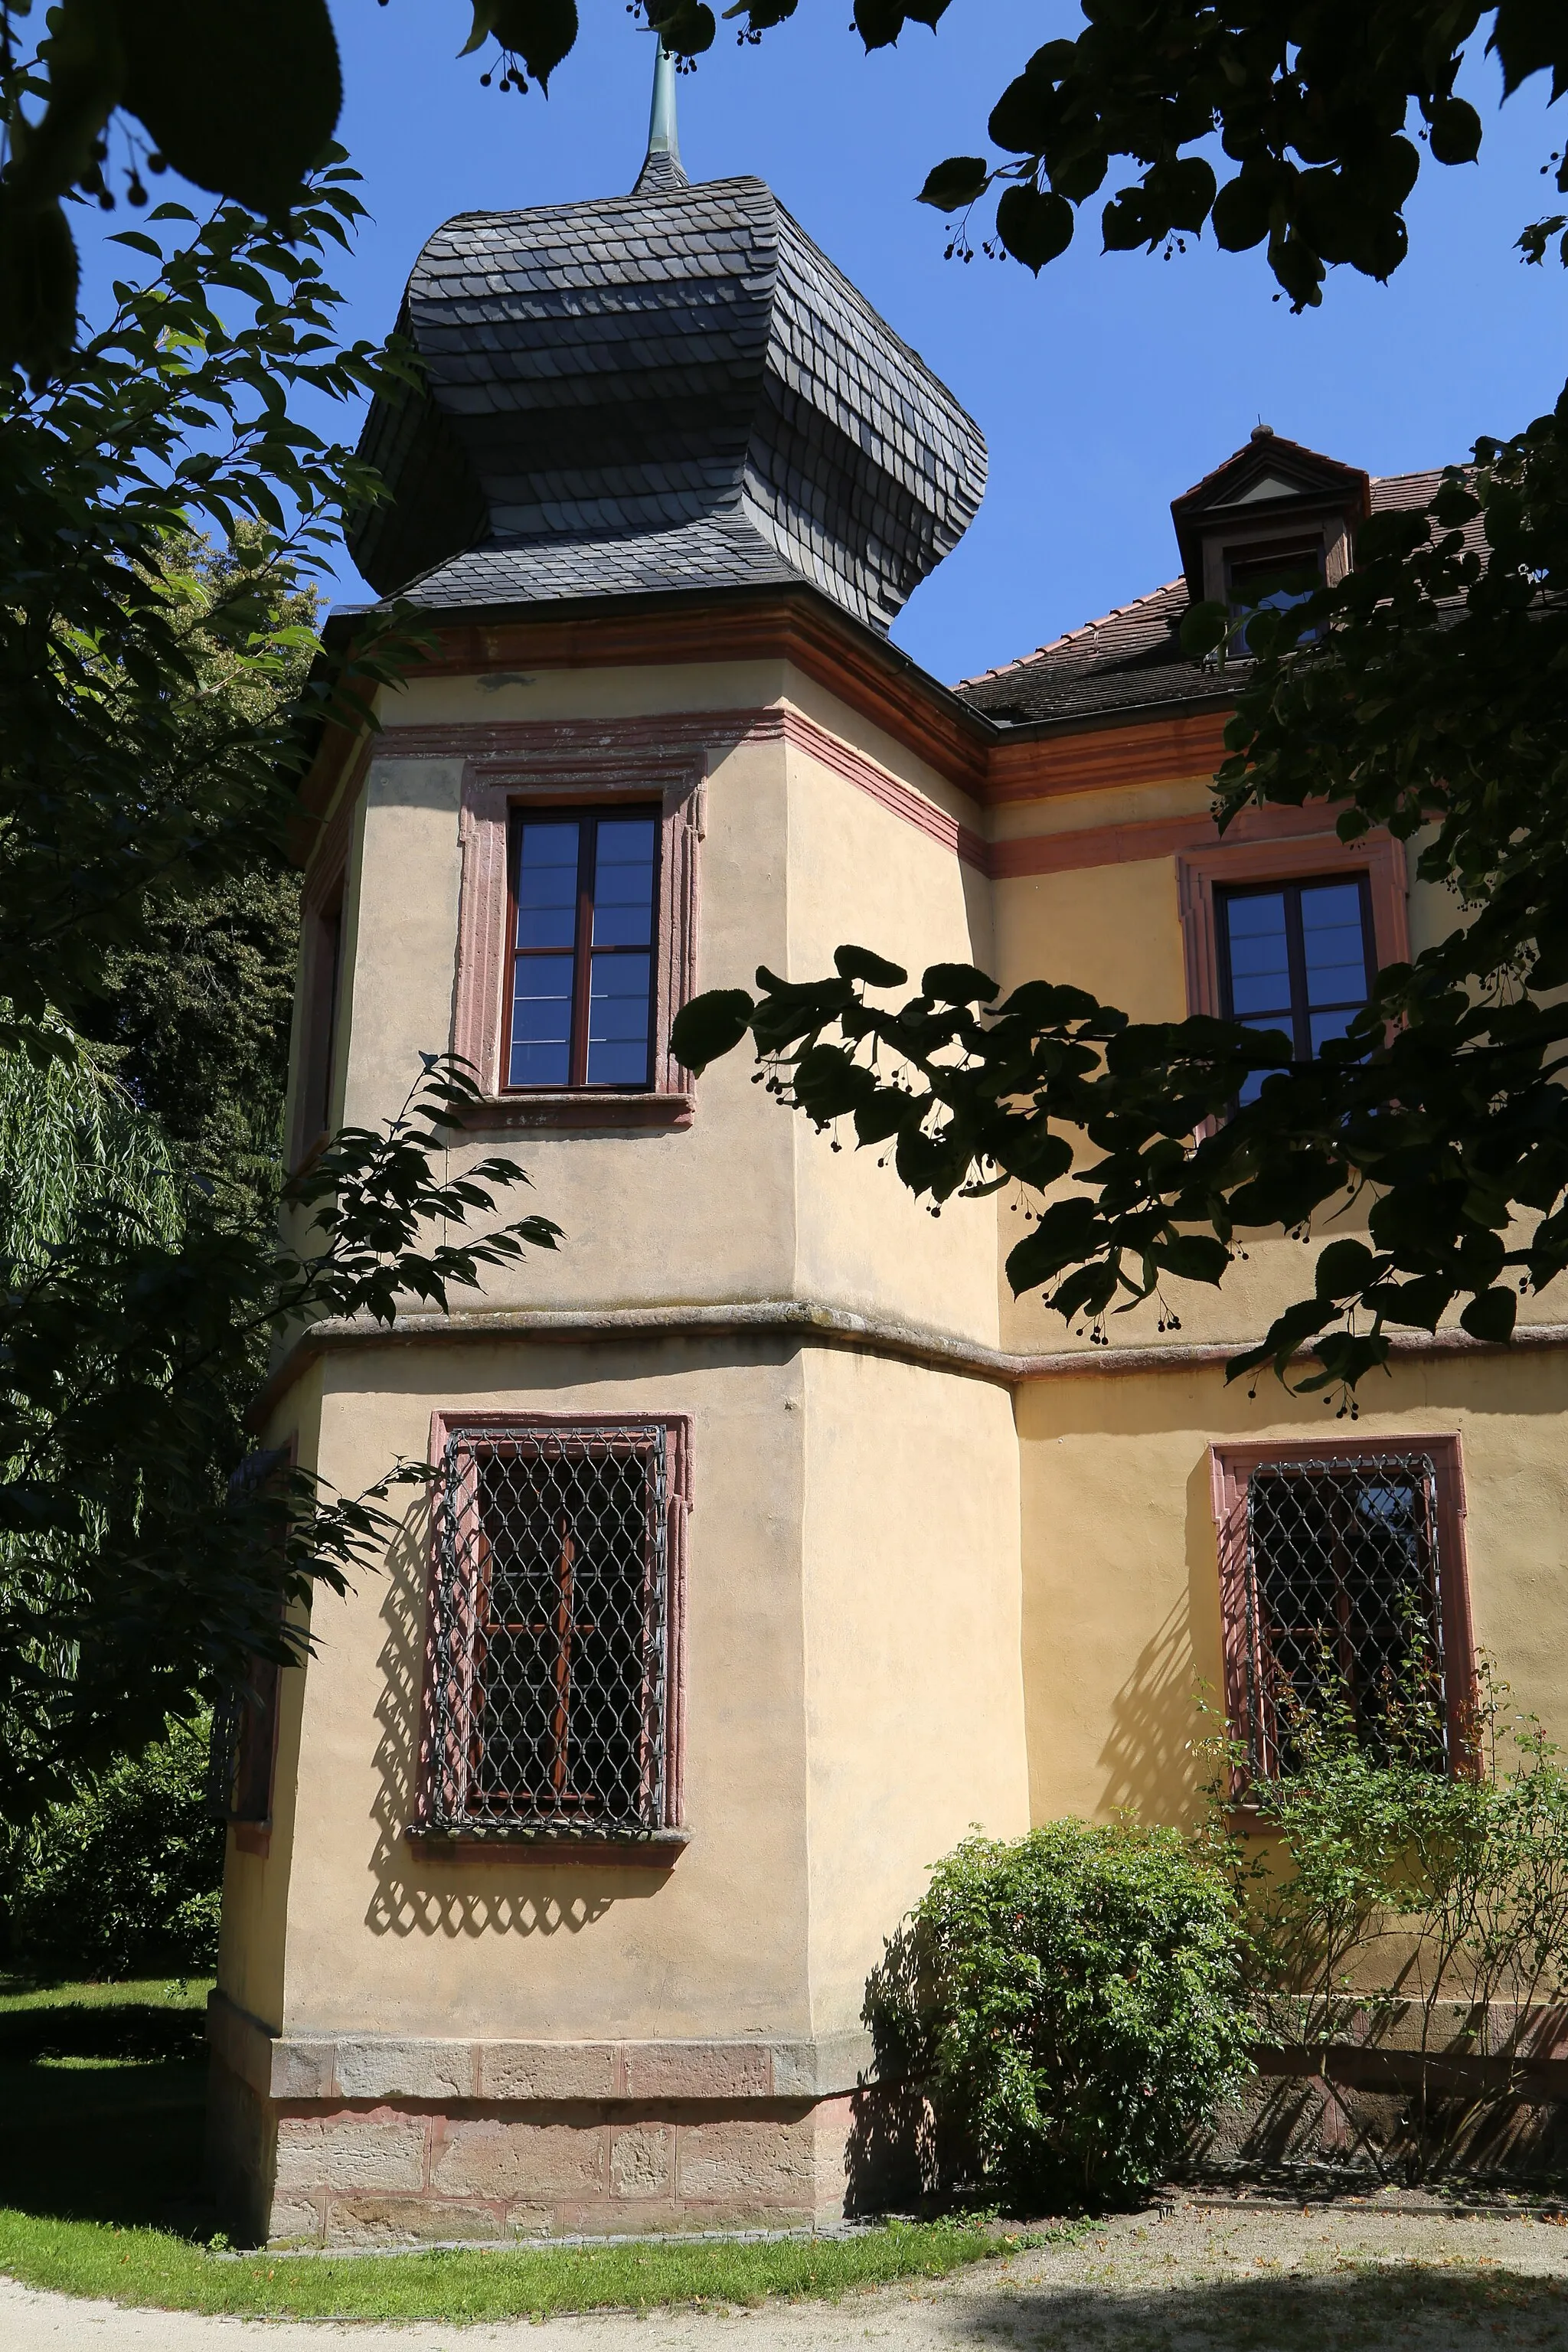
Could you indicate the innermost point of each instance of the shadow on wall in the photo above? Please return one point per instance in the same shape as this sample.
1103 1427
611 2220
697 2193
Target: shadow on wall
419 1895
1150 1768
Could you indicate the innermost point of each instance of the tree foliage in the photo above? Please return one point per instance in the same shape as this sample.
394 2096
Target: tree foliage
137 1569
122 771
1281 123
1422 692
159 705
122 1876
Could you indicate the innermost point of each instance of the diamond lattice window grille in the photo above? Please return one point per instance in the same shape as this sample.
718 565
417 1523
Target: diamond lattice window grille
550 1642
1344 1597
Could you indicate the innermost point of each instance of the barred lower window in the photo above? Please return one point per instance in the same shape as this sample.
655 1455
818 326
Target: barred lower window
1340 1602
552 1634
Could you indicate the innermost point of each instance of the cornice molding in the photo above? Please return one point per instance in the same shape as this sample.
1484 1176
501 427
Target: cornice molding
814 1322
572 752
1094 757
990 762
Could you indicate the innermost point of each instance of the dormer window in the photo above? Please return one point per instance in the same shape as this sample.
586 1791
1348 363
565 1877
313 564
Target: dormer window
1267 527
1270 579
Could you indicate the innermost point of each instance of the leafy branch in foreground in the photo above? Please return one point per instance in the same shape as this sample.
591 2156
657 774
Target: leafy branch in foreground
123 770
137 1569
1422 693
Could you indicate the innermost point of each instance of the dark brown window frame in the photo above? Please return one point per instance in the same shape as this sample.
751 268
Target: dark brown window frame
1290 887
588 817
323 976
443 1822
1232 1467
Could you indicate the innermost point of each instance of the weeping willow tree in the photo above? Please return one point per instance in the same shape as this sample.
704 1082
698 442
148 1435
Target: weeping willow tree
71 1135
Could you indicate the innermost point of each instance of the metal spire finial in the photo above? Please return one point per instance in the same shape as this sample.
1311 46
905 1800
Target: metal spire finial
662 165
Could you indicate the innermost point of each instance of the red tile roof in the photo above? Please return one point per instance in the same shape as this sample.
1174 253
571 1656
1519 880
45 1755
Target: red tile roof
1132 655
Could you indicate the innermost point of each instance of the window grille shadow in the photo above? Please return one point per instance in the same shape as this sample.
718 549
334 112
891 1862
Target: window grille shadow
414 1894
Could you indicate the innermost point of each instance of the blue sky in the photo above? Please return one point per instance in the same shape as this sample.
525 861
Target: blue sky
1104 388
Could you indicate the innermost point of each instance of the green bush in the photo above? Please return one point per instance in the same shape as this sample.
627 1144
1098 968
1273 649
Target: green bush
1072 2004
123 1878
1374 1881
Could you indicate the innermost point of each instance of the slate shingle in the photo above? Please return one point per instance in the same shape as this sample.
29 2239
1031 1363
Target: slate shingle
665 390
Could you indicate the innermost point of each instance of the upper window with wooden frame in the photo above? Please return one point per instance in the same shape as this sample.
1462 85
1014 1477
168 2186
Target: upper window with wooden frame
554 1650
1285 929
1343 1598
1298 957
577 928
583 908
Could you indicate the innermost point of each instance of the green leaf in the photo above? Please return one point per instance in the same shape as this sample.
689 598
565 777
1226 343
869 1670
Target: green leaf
879 22
710 1026
687 27
1205 628
37 285
862 963
1528 36
951 186
241 98
1034 225
1492 1316
1345 1269
957 984
1241 211
1192 1257
828 1083
1454 131
540 32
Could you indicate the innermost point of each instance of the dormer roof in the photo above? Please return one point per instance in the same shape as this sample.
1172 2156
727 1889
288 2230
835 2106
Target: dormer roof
670 389
1269 479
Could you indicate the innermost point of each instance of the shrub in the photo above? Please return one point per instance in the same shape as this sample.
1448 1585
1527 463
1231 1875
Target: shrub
1373 1880
124 1877
1072 2003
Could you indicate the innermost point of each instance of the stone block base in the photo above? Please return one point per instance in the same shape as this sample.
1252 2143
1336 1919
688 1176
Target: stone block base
1488 2097
371 2142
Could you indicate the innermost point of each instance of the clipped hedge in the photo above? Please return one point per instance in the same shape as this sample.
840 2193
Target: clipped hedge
1072 2003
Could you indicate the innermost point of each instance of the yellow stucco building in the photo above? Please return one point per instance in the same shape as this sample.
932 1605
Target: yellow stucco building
774 1543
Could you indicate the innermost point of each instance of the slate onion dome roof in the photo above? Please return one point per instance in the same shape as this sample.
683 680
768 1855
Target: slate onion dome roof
669 390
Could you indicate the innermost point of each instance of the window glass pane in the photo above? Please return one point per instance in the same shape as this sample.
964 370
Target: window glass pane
617 1020
547 884
1332 941
542 1021
1259 966
623 883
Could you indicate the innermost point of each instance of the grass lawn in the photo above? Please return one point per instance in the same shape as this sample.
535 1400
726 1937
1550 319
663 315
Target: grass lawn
102 2087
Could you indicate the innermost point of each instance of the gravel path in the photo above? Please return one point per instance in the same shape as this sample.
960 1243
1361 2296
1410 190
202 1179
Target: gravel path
1191 2280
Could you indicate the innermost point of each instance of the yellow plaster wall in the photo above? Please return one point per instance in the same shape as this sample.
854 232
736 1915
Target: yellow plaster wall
380 1938
858 873
914 1696
252 1942
1120 1594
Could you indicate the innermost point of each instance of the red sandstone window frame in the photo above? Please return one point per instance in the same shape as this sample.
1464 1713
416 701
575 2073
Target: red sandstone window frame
1231 1469
569 777
453 1437
1316 857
